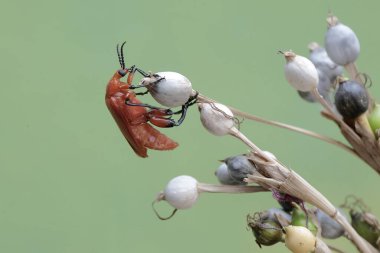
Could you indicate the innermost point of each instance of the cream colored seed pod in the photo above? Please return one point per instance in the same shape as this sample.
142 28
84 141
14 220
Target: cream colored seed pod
299 239
216 118
182 192
300 72
172 89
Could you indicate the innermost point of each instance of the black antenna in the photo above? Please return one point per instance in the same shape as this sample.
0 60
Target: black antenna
120 54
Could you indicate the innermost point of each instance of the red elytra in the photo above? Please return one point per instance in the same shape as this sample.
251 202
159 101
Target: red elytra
133 120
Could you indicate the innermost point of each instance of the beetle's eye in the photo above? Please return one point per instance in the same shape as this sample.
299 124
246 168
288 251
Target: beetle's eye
122 72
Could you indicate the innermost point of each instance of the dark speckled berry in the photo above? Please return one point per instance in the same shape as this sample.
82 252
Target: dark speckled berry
351 99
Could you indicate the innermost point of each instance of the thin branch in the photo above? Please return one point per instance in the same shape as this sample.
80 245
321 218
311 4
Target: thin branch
245 115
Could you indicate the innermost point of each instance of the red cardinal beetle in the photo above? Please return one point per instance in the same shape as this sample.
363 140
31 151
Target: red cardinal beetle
133 117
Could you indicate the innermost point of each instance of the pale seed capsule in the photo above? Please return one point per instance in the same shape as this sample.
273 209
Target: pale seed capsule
170 89
182 192
224 176
324 88
319 57
216 118
299 239
239 167
342 44
300 72
273 212
330 229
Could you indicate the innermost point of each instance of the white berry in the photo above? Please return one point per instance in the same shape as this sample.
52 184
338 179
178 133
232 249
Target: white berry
342 44
299 239
300 72
182 192
216 118
172 90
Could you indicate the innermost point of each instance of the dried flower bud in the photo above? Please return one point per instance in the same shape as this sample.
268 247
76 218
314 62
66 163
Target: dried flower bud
330 229
351 99
170 89
299 239
216 118
266 232
323 63
367 226
224 176
300 72
239 167
341 43
182 192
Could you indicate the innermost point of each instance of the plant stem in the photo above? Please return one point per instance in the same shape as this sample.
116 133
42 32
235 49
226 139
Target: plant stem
296 129
229 188
327 207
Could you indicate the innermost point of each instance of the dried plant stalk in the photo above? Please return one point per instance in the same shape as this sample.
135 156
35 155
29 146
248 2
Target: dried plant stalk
202 98
278 177
366 146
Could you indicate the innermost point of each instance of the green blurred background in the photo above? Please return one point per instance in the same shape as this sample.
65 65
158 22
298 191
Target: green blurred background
69 182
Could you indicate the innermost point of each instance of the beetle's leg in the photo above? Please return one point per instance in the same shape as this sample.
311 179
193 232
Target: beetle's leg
157 118
192 100
142 72
131 74
167 112
142 105
159 78
142 93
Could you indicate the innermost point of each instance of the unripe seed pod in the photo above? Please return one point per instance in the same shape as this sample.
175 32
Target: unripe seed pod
374 118
299 219
300 72
170 89
321 60
182 192
224 176
367 226
330 229
351 99
216 118
271 214
266 232
299 239
239 167
341 43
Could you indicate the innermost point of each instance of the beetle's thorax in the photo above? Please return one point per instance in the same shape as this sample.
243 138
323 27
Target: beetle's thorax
114 85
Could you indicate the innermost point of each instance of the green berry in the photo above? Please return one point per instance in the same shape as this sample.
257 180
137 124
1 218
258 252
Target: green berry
374 118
